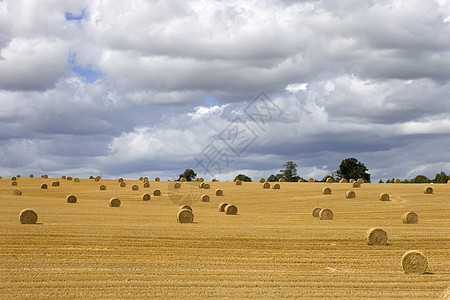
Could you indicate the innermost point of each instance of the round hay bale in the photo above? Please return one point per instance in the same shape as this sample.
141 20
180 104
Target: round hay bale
77 180
14 183
326 214
31 176
238 182
235 178
351 180
206 186
185 216
448 181
262 180
360 180
326 191
157 179
350 194
376 237
123 184
329 180
17 192
343 180
310 179
103 187
397 180
356 184
185 207
141 178
316 211
91 177
205 198
146 184
97 178
44 186
276 186
55 183
45 176
28 216
231 209
135 187
428 190
414 262
69 178
71 199
219 192
201 179
177 185
201 185
146 197
183 179
18 176
63 177
281 180
222 206
120 180
266 185
145 178
410 218
156 193
13 178
384 197
300 180
214 180
114 202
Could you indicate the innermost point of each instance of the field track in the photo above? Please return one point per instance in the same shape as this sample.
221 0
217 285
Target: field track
273 248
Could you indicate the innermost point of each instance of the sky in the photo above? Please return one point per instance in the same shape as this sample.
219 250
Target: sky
149 88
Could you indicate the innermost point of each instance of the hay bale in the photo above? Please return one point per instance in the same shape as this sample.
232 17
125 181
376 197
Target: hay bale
185 216
326 214
63 177
183 179
45 176
91 177
262 180
201 179
135 187
206 186
214 180
329 180
185 207
55 183
384 197
219 192
71 199
300 180
316 211
448 181
31 176
69 178
201 185
351 180
44 186
123 184
28 216
103 187
157 179
266 185
310 179
177 185
360 180
97 178
145 178
376 237
156 193
114 202
18 176
235 178
14 183
222 206
238 182
17 192
141 178
356 184
343 180
397 180
410 218
276 186
350 194
428 190
414 262
77 180
120 180
326 191
231 209
146 184
13 178
281 180
146 197
205 198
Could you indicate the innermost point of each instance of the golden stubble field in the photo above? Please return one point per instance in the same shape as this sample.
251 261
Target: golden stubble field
273 248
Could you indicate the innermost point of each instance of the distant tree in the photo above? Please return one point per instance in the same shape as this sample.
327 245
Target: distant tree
381 181
289 172
351 168
420 179
189 174
441 177
243 177
274 178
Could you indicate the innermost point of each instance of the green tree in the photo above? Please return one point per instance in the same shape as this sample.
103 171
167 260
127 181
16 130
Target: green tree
289 172
189 174
243 177
420 179
274 178
351 168
441 178
381 181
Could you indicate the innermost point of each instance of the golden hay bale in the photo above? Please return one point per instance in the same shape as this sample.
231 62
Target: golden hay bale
219 192
326 214
214 180
45 176
415 262
14 183
145 178
343 180
185 207
300 180
71 199
384 197
120 180
350 194
351 180
276 186
356 184
91 177
329 180
141 178
397 180
231 209
206 186
201 185
376 237
326 191
156 193
205 198
360 180
185 216
262 180
135 187
63 177
428 190
28 216
448 181
18 176
201 179
114 202
177 185
183 179
266 185
222 206
69 178
44 186
410 218
238 182
157 179
146 197
146 185
235 178
13 178
310 179
97 178
103 187
123 184
17 192
316 211
31 176
76 180
55 183
281 180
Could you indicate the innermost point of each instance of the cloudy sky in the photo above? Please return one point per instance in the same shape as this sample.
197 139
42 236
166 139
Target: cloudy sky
150 88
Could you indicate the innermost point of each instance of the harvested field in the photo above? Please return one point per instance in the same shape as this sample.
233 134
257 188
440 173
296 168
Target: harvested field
273 248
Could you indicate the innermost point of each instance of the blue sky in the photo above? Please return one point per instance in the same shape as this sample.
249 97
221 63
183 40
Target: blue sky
129 89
